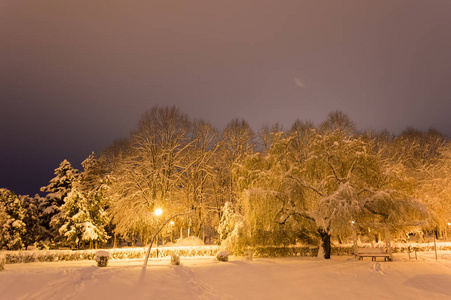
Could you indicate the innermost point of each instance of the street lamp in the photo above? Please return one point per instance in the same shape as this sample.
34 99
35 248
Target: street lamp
158 212
143 271
172 231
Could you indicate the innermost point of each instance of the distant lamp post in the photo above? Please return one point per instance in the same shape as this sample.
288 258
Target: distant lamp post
172 230
354 236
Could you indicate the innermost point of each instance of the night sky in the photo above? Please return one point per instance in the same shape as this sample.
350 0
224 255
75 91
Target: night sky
75 75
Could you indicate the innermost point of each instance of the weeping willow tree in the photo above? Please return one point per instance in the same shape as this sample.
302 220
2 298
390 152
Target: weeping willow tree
435 189
263 189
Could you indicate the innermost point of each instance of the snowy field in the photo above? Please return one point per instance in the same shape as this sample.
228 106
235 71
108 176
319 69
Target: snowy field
206 278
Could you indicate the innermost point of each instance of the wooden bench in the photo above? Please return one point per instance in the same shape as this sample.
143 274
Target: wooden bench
373 253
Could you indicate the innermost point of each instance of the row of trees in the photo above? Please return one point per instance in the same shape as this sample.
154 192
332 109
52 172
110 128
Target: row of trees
72 214
275 187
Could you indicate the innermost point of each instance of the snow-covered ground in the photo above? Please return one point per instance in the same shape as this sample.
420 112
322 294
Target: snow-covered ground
206 278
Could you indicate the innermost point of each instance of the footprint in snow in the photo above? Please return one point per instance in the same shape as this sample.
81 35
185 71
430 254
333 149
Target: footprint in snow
378 268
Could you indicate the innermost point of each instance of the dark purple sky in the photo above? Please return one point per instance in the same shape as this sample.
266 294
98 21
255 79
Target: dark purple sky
75 75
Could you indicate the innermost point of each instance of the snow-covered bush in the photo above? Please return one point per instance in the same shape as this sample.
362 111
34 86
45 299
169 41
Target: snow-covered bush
223 255
175 259
121 253
102 257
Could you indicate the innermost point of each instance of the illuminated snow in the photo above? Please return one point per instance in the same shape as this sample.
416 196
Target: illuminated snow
206 278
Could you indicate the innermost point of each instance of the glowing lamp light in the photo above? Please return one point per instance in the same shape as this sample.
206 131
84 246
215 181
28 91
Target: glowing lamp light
449 224
352 222
158 212
172 223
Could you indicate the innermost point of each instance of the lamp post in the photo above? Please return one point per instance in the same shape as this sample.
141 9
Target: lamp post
172 231
158 212
354 236
156 233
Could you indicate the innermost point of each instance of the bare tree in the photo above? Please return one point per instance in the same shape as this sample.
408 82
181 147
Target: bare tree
237 142
198 179
150 174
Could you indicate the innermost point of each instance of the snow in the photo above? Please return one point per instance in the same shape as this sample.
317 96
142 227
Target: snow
261 278
102 253
222 255
189 241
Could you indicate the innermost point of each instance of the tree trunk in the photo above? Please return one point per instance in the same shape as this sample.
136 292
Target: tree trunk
325 242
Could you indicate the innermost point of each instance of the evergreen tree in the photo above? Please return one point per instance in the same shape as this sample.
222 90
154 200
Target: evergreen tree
93 184
93 174
77 225
12 227
97 203
57 190
31 206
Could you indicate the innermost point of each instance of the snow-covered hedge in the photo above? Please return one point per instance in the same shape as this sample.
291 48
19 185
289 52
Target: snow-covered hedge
348 249
278 251
340 250
270 251
122 253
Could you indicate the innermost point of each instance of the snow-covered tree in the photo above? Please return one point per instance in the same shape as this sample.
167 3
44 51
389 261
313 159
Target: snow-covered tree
333 165
94 184
97 204
60 185
230 226
392 208
149 176
77 224
94 174
263 187
334 214
237 142
435 189
12 227
197 180
32 214
57 190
